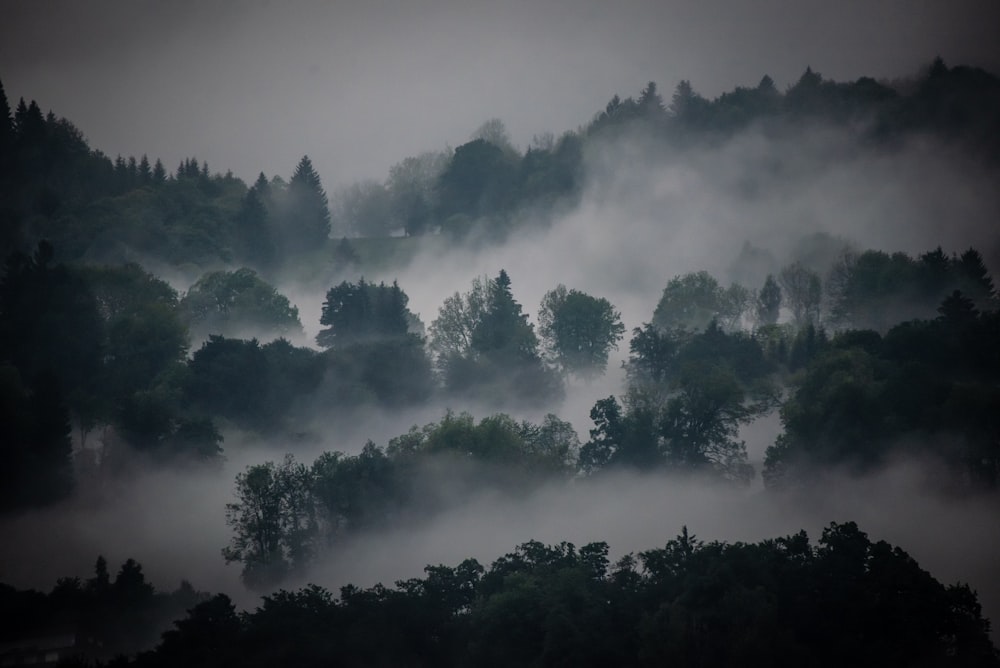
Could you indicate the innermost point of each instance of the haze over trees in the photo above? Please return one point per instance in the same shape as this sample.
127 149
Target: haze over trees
863 356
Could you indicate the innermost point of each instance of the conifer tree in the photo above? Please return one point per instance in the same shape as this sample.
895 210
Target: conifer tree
6 125
145 172
308 215
159 172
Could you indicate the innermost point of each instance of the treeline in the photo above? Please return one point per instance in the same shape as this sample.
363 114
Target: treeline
104 616
486 187
287 515
54 186
106 350
780 602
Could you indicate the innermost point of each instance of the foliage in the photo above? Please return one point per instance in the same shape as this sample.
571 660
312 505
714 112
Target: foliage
479 179
34 441
865 396
255 386
847 600
876 290
304 211
486 347
688 395
284 513
116 614
694 300
274 521
362 311
802 291
578 330
230 303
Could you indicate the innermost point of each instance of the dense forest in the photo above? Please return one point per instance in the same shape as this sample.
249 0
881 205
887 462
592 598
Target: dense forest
147 322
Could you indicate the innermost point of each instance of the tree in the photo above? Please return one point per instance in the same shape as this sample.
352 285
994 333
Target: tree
504 332
362 311
451 332
578 330
237 303
274 521
374 351
687 398
690 302
145 336
768 302
803 292
363 209
49 322
485 344
495 132
307 216
34 441
255 386
701 421
478 181
687 107
412 190
253 226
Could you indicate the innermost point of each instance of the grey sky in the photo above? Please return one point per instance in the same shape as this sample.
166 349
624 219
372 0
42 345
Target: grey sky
252 86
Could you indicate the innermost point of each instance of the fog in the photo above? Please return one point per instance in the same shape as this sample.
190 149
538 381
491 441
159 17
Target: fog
639 223
359 89
252 86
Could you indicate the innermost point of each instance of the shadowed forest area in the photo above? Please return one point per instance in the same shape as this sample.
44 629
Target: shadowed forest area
347 366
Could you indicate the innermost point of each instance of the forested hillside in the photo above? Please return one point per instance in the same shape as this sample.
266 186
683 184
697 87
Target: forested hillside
263 335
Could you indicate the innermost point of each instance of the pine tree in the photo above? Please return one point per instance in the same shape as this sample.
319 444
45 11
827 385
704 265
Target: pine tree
159 172
308 215
253 227
6 126
145 172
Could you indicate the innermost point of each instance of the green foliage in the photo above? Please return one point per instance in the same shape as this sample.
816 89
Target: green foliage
233 303
255 386
412 190
363 209
877 290
688 395
479 180
486 347
578 330
926 387
362 311
694 300
802 291
305 214
779 602
284 512
274 521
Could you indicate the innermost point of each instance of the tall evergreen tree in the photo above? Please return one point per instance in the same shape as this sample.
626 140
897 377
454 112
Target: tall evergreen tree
308 214
6 127
256 240
145 171
159 172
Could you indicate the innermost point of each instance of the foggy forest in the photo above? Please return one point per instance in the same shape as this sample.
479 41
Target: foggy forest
705 380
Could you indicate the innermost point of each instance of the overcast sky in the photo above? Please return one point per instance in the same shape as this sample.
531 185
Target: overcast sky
252 86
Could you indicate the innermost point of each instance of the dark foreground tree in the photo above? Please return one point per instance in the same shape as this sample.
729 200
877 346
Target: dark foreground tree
273 522
847 600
